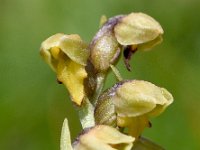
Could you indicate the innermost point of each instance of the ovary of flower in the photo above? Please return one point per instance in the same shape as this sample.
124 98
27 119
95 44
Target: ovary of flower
67 56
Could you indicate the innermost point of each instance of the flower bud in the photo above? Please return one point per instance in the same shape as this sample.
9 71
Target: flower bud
67 56
103 137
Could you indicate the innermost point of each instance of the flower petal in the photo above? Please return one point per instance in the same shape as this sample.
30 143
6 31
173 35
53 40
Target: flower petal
72 75
75 48
47 45
160 108
135 125
137 28
149 45
103 138
71 45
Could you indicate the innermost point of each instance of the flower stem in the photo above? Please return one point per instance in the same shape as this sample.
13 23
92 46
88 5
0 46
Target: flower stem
116 72
86 110
100 83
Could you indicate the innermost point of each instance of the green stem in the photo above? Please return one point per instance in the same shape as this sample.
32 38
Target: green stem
86 110
100 83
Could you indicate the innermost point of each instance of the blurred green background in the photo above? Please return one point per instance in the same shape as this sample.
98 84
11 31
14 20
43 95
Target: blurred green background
32 104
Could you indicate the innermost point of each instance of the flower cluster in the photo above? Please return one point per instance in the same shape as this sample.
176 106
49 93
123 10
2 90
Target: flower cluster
115 118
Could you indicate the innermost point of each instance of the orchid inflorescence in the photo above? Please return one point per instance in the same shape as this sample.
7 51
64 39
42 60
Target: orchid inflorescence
113 119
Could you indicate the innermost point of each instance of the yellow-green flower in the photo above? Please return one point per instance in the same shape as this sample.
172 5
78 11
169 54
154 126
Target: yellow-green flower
67 56
132 32
103 138
135 101
100 137
135 98
137 31
130 104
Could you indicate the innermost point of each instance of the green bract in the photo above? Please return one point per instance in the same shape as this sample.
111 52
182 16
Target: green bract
65 142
